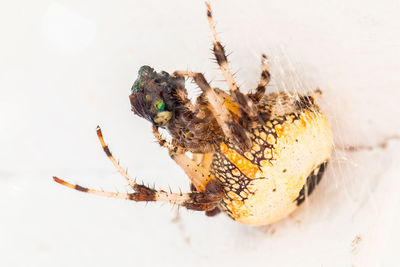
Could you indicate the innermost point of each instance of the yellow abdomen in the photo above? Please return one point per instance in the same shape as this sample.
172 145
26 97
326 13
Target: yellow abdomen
265 184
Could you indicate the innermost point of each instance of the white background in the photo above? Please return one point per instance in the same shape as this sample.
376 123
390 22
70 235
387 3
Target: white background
67 66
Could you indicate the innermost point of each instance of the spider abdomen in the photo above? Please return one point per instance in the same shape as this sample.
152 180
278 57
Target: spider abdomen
268 182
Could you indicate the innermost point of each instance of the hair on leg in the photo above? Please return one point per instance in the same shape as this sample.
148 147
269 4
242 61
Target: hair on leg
222 106
220 55
249 110
263 82
132 183
200 201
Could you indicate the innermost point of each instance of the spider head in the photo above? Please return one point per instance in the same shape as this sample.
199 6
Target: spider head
153 95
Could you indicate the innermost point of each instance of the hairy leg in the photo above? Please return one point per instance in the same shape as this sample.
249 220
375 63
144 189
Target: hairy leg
220 54
132 183
248 108
264 80
193 201
222 106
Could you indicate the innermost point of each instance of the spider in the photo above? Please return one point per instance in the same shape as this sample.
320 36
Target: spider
255 156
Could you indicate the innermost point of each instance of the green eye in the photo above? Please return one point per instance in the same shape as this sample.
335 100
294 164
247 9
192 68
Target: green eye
159 105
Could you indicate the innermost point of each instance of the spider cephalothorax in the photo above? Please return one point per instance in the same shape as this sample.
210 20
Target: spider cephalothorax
162 99
256 156
153 95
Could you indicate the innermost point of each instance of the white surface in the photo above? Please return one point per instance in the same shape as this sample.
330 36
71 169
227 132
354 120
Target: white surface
67 66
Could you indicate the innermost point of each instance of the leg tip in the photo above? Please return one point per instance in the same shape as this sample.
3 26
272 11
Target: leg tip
209 14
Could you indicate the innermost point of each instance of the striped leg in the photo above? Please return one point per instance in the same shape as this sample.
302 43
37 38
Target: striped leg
248 109
132 183
220 55
193 201
264 80
222 106
197 174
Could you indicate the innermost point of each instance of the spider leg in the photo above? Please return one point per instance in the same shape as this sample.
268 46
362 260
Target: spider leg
198 174
264 80
220 55
182 95
198 78
216 103
248 108
132 183
172 148
193 201
223 107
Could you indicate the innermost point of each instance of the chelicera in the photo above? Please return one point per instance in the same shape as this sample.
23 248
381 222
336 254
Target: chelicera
255 156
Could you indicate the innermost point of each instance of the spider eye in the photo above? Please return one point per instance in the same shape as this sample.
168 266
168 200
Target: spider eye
136 86
159 105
